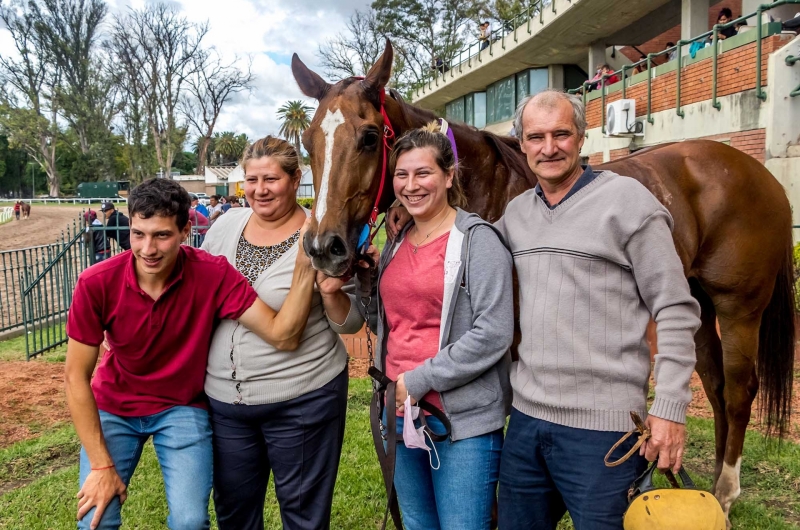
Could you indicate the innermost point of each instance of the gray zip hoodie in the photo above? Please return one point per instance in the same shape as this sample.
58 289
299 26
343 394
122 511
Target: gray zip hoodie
471 369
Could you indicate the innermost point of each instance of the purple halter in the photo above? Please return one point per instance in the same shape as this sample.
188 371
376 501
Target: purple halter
449 133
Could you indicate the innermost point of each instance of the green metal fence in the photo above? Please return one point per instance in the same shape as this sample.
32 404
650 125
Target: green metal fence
47 291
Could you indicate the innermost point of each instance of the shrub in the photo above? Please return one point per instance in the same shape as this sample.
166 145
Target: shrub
309 202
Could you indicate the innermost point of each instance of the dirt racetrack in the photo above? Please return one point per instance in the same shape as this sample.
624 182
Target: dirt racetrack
44 225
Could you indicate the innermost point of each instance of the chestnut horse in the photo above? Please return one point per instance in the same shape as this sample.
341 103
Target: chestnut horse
732 232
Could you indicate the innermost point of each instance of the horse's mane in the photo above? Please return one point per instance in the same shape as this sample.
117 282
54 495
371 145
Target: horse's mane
507 148
510 154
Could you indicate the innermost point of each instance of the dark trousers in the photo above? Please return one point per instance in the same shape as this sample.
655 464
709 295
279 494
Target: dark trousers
299 441
547 469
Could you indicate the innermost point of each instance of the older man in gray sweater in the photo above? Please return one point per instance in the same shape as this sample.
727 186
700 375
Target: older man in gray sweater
594 254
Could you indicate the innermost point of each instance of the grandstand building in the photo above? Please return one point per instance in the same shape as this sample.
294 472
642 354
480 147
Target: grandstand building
747 94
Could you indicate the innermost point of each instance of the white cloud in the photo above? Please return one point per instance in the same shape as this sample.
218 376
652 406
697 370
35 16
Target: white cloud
268 31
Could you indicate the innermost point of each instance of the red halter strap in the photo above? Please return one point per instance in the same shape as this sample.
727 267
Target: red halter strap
388 141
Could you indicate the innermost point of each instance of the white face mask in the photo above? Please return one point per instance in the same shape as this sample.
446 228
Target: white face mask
415 438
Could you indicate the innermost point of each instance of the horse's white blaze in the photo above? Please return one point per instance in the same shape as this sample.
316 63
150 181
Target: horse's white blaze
728 487
329 124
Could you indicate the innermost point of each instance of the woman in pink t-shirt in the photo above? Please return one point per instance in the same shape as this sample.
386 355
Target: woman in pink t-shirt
445 302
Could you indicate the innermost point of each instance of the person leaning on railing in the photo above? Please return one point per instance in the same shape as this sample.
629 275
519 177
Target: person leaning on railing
273 410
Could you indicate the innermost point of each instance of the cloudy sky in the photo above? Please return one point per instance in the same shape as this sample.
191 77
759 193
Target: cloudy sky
269 31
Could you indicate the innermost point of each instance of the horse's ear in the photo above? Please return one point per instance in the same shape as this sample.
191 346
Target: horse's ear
381 71
310 83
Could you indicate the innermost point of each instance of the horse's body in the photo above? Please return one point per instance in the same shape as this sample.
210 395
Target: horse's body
732 233
25 210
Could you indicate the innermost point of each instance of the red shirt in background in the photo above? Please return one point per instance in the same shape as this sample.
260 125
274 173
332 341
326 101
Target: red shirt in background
198 219
412 289
159 348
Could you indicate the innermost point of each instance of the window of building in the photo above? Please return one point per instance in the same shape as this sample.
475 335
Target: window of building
501 100
455 110
470 109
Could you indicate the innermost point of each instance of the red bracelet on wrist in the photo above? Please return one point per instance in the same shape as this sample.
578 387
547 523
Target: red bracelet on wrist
102 468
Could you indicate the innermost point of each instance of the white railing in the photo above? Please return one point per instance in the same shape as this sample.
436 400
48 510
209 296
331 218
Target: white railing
70 200
6 214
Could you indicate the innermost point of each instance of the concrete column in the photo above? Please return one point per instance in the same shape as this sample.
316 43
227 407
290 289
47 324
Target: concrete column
694 18
597 56
555 76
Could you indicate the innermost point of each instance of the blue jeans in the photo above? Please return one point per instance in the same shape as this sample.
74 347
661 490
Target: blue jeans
460 494
548 469
182 440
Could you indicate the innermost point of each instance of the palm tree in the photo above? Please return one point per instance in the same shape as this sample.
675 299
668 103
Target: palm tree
296 117
209 150
225 147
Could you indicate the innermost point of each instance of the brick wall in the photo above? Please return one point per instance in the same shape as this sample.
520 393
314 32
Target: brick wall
672 35
752 142
736 73
616 154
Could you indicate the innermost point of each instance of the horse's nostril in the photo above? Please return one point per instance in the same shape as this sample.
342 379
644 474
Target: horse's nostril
338 247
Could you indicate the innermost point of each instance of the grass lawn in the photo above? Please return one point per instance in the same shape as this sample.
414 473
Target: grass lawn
14 349
46 473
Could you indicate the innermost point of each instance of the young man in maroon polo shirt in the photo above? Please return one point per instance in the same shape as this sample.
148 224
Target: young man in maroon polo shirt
153 306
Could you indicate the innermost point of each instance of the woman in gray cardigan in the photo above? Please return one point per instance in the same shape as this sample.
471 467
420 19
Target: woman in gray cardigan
271 410
445 325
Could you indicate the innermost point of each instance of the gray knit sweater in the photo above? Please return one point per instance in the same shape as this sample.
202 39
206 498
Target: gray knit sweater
591 273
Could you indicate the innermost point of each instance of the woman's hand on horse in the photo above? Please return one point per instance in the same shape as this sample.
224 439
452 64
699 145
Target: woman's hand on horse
303 259
666 443
396 218
329 285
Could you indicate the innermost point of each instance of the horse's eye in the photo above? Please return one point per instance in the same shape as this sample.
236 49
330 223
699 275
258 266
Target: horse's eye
370 139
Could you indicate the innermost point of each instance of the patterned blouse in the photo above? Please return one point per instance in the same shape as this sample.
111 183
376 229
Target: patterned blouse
252 260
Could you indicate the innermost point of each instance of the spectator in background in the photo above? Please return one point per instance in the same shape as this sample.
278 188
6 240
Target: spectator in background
200 225
674 53
642 66
725 16
235 202
122 235
102 247
485 35
197 205
226 204
439 65
597 80
216 209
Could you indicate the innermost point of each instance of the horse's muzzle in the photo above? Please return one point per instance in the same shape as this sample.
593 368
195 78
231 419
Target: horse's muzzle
329 253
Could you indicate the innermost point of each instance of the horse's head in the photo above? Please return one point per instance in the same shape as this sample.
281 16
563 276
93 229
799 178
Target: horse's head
345 143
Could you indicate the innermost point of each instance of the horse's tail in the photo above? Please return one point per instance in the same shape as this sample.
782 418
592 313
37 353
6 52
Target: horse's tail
776 348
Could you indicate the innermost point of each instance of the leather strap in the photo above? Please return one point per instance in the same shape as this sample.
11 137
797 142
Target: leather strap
385 398
386 455
644 434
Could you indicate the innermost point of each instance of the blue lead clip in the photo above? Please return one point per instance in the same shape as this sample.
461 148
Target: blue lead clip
363 240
